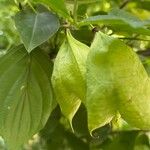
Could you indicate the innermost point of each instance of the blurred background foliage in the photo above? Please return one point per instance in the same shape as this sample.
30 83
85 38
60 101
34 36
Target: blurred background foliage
57 134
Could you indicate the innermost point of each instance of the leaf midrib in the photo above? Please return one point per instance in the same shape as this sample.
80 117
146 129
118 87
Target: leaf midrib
33 32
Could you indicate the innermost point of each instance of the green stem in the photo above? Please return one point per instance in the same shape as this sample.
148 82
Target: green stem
75 10
25 2
84 2
136 39
31 7
124 4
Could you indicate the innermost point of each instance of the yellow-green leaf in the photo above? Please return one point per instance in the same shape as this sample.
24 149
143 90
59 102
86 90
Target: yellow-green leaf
101 96
116 81
69 75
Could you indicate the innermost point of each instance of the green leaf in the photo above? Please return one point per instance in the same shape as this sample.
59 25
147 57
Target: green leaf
120 141
26 99
102 133
142 141
36 28
141 4
121 20
52 123
69 76
116 81
76 143
58 6
79 122
62 139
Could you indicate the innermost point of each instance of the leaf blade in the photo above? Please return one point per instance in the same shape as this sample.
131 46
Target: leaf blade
119 18
121 84
69 76
100 100
21 115
35 29
58 6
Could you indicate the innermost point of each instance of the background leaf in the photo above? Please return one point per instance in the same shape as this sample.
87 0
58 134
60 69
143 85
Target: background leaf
121 20
25 94
142 142
120 141
58 6
79 122
36 28
60 138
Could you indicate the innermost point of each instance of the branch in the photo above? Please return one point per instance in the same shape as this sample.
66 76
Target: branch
75 10
144 52
124 4
136 39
